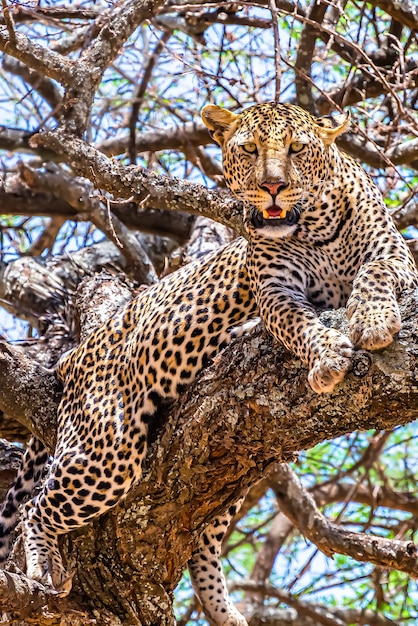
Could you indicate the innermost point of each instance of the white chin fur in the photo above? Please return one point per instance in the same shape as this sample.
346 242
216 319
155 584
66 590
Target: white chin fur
276 232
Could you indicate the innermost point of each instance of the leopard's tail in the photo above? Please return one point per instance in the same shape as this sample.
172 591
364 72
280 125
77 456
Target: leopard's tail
28 477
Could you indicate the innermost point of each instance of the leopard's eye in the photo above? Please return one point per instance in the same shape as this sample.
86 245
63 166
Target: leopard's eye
249 147
296 147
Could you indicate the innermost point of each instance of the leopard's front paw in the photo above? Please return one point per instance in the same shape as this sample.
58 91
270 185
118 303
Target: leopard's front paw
373 325
59 582
330 367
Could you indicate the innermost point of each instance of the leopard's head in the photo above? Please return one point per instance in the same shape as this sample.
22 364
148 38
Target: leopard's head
275 159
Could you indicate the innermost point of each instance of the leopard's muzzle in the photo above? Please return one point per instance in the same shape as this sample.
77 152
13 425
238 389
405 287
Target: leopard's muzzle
259 221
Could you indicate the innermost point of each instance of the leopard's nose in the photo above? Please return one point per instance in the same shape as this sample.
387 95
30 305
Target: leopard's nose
273 188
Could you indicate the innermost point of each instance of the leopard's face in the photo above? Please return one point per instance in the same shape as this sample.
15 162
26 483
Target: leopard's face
275 159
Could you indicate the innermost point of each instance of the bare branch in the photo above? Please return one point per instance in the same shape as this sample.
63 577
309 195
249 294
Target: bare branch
305 53
44 86
48 237
192 133
320 615
405 12
361 87
407 215
300 507
37 57
144 186
79 197
361 148
138 97
304 613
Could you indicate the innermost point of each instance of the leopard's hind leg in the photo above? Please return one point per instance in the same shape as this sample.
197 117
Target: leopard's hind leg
28 477
82 484
207 576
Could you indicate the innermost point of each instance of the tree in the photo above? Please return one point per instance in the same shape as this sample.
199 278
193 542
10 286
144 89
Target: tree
100 107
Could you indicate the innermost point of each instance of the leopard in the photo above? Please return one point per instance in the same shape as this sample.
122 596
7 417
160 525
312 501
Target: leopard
318 237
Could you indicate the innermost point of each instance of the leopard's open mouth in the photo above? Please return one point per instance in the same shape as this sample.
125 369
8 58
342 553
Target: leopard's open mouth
274 212
274 216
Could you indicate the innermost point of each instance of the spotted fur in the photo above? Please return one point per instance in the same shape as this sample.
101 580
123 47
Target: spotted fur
113 385
319 237
320 234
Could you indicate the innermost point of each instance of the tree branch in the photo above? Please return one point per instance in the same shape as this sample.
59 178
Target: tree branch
300 507
29 393
190 134
304 613
23 201
138 98
404 12
306 49
44 86
144 186
36 57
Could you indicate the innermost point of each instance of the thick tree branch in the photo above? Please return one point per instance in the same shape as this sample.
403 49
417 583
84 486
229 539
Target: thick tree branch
36 57
50 14
404 11
144 186
17 140
42 290
23 201
29 393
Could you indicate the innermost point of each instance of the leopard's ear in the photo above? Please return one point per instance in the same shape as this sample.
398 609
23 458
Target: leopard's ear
331 126
218 121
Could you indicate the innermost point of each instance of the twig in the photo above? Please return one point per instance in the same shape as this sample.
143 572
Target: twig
138 98
278 67
8 18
